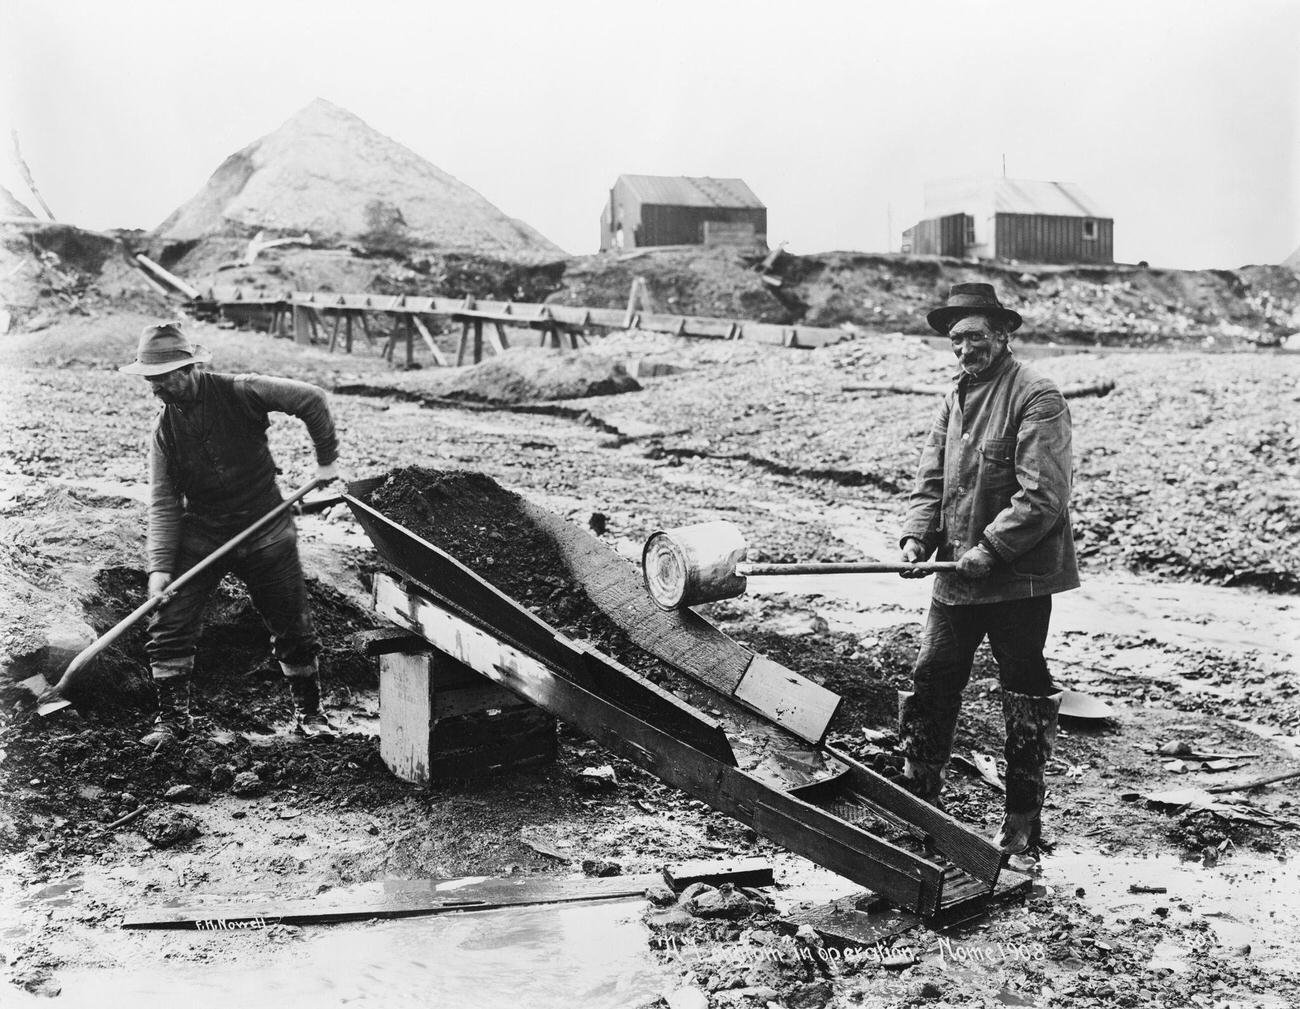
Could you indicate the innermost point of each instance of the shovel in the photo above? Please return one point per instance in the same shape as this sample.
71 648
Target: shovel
704 563
54 700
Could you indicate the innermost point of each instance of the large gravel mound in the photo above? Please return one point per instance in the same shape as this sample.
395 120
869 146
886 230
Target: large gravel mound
329 174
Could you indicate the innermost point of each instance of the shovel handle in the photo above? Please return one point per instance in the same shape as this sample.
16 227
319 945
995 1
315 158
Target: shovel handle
851 568
53 701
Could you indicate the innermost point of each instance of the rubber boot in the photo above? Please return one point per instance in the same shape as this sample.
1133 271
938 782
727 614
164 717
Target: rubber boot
925 735
172 721
304 691
1031 738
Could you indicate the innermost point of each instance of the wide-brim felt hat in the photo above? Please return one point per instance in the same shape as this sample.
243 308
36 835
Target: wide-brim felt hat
164 348
972 299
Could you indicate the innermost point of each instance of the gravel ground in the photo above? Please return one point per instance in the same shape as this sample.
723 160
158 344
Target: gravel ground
769 439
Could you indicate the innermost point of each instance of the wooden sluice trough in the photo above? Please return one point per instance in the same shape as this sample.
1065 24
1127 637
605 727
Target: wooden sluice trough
762 761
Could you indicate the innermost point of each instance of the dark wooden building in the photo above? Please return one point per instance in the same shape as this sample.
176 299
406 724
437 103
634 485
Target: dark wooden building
645 210
1035 222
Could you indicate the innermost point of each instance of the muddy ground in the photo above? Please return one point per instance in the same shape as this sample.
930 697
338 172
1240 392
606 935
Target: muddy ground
1187 513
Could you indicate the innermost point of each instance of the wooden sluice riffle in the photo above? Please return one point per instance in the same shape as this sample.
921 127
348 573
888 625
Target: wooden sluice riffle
321 317
762 761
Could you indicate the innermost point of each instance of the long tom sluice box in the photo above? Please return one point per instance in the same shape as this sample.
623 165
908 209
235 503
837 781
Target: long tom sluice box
802 794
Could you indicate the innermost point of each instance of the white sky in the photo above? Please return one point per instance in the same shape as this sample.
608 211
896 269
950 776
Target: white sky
1180 117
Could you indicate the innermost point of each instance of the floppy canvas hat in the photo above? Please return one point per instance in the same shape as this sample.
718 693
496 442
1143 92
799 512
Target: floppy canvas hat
164 348
971 299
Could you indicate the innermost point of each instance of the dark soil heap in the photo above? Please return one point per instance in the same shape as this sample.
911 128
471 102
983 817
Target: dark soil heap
487 528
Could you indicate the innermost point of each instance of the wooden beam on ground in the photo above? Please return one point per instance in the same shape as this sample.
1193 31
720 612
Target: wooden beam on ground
393 900
737 872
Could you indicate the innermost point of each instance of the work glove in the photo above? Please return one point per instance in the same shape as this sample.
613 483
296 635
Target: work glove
327 474
913 552
158 582
976 563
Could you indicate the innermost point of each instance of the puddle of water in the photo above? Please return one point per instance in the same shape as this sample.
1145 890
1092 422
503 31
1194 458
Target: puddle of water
1243 619
1245 901
591 955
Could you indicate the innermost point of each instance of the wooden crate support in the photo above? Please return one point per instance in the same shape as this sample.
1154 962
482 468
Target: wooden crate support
440 720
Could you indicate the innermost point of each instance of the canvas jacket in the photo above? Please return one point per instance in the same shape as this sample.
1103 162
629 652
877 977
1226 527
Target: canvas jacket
210 464
996 469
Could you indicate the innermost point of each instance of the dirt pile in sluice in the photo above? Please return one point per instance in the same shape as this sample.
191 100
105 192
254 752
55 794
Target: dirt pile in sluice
488 528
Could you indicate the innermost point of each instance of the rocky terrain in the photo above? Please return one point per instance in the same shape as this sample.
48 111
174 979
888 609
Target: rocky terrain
1186 512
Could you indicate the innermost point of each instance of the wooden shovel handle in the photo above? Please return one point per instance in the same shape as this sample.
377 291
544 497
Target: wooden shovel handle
855 568
51 701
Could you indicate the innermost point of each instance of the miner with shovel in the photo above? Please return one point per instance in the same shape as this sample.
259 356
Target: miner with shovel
992 493
211 476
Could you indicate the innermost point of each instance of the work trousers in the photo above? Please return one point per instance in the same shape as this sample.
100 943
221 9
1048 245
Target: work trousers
269 566
1017 632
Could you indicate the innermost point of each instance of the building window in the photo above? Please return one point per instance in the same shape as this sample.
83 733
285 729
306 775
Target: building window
970 230
1089 230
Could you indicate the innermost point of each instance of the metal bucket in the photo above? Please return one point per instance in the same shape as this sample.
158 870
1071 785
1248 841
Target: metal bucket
694 564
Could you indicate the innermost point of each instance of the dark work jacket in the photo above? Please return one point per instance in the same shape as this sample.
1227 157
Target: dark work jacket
210 461
996 469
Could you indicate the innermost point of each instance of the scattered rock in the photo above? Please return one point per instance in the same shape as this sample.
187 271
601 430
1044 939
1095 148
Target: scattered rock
599 867
723 902
187 793
222 777
165 827
660 896
248 785
597 780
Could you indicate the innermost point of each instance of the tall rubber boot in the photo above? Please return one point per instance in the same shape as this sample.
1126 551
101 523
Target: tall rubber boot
925 735
304 690
1031 738
172 721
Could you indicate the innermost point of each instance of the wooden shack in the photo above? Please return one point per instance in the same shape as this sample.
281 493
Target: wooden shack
650 210
1012 219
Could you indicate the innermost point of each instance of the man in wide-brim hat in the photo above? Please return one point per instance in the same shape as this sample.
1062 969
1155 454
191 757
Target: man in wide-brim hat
211 476
992 492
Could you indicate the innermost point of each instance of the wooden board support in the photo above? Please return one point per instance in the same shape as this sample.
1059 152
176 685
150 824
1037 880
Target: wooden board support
393 899
438 719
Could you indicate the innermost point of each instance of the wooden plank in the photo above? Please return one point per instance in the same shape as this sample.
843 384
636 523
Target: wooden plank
682 638
793 701
606 677
405 714
906 879
393 899
736 871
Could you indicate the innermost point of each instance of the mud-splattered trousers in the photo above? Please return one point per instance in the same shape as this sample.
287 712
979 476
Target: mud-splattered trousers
212 476
996 471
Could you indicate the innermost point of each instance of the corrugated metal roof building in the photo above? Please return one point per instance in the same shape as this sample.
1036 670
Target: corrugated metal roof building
1039 222
646 210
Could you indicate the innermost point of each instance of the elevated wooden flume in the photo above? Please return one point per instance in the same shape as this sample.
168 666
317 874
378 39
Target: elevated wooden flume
332 318
762 760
